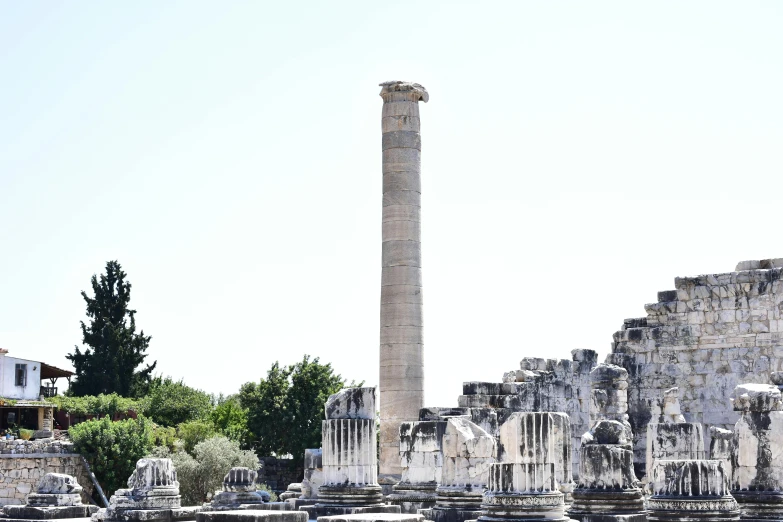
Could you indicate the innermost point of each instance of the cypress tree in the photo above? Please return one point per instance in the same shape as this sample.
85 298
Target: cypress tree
114 349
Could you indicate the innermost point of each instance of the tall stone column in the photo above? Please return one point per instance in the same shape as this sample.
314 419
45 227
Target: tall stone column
401 346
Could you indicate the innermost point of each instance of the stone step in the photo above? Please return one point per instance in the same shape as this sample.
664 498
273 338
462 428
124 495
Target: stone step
667 295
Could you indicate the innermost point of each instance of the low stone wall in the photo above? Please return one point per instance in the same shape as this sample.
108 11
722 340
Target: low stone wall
277 474
24 463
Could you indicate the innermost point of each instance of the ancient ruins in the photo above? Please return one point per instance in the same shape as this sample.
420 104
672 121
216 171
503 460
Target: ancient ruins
401 342
682 420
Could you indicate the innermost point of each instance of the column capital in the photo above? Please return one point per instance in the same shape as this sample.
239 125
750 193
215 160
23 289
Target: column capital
387 88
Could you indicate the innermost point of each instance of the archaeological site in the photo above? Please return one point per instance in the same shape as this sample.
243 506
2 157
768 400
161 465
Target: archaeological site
683 420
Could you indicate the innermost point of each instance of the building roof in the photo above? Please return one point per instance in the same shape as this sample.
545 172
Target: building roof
52 372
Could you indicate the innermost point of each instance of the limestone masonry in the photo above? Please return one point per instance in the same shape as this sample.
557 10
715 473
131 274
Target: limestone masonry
706 336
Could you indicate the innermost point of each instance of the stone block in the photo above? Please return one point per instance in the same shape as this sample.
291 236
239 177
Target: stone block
757 397
374 517
251 516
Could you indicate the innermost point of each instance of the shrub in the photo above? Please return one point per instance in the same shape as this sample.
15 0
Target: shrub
25 434
172 403
201 474
272 494
193 432
99 405
112 448
165 437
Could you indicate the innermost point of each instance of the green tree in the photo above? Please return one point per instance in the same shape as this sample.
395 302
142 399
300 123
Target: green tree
171 403
265 403
285 410
114 349
112 448
230 419
311 385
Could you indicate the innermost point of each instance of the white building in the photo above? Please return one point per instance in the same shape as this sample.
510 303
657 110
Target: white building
23 390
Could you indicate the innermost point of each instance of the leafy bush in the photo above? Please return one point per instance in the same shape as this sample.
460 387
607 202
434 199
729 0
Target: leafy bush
172 403
191 480
272 494
193 432
201 474
166 437
112 448
25 434
99 405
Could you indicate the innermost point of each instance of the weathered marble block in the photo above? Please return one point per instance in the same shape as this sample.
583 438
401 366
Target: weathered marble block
152 495
239 487
468 452
608 490
757 474
608 393
58 496
539 438
313 473
722 446
421 445
153 485
293 491
536 450
690 490
351 403
674 441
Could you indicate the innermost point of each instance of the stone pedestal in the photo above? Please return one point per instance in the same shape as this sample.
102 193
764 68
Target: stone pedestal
349 457
422 465
401 338
522 492
690 490
468 452
540 438
608 490
671 438
58 496
152 496
239 489
757 474
293 491
526 487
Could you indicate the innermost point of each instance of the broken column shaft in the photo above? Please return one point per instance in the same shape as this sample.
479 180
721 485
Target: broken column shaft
401 341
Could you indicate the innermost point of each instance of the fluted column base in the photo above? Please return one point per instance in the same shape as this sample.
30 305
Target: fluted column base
760 505
527 505
413 497
605 517
692 509
606 501
456 503
350 495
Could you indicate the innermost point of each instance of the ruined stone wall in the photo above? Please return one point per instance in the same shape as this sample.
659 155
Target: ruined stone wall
707 335
24 463
277 473
540 385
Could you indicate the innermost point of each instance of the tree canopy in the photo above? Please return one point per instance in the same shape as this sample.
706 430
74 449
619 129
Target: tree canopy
171 402
114 349
285 410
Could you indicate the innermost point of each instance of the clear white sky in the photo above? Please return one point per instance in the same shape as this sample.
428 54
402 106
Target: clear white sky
577 156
